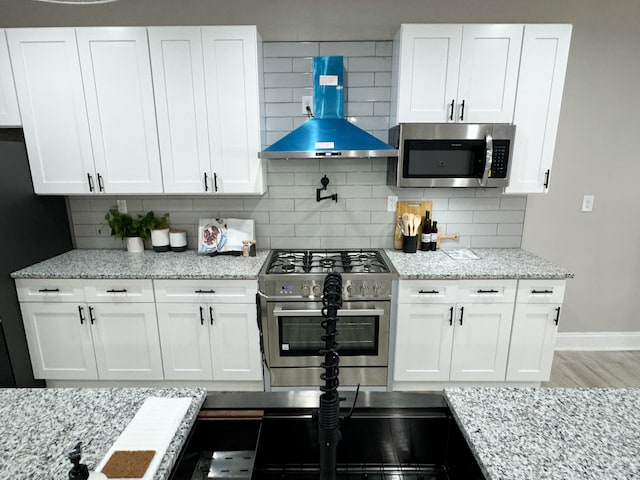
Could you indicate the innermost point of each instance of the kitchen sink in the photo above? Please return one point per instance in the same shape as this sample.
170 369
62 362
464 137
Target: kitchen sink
377 443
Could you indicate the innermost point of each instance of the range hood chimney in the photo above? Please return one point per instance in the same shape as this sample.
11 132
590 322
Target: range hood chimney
328 134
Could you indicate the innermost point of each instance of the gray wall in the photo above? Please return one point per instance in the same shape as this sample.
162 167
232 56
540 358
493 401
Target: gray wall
594 152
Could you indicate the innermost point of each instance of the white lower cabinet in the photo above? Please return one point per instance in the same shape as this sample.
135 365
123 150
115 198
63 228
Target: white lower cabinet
453 330
209 341
535 326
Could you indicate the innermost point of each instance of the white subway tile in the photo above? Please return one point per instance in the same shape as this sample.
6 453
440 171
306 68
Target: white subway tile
371 204
291 192
382 79
487 192
355 109
510 229
191 229
279 80
279 124
187 218
331 165
379 165
259 218
88 218
283 109
382 242
366 178
289 49
359 79
283 230
295 242
447 216
370 64
369 94
354 191
310 205
315 178
304 65
279 178
474 203
382 109
370 123
269 205
462 242
292 165
263 243
86 230
345 242
201 204
163 204
320 230
513 203
501 216
449 192
277 218
348 49
496 242
79 204
384 48
99 243
439 204
278 95
350 217
360 230
273 137
280 65
471 229
383 217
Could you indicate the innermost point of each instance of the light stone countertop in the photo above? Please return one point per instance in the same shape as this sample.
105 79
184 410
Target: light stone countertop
39 427
98 264
551 433
508 263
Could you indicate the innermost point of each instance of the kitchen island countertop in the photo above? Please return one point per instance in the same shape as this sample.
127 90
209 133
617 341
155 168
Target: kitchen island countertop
39 427
551 433
97 264
508 263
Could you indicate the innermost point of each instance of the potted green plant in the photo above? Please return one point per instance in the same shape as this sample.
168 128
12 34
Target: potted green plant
133 229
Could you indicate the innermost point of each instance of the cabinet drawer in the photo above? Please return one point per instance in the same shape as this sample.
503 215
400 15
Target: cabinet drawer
40 290
427 291
119 291
199 291
541 291
487 291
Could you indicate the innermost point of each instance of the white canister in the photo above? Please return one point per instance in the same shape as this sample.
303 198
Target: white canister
178 240
135 245
160 239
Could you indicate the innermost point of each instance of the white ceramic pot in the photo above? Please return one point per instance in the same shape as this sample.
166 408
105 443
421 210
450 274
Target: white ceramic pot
160 239
135 245
178 240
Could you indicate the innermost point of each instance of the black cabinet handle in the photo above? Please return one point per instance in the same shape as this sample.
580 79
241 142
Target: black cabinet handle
205 291
215 182
462 111
211 314
201 316
206 182
49 290
100 183
82 319
113 290
546 179
452 108
450 316
461 314
91 317
429 291
540 292
557 315
488 291
90 180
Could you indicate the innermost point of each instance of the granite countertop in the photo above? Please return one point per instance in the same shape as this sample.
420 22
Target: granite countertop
148 264
551 433
510 263
39 427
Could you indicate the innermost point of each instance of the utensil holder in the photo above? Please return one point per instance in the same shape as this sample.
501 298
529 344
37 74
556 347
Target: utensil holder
409 244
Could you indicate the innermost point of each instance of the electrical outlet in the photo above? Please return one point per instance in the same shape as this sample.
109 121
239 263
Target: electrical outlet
307 101
122 206
392 201
587 203
103 230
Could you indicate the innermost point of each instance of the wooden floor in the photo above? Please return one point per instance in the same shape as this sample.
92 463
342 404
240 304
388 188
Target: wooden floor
595 369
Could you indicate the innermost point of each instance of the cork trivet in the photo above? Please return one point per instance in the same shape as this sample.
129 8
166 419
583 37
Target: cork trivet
128 463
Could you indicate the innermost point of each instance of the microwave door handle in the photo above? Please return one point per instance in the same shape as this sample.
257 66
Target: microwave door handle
360 312
488 160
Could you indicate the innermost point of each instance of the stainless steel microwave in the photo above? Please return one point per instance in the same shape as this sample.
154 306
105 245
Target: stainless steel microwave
451 155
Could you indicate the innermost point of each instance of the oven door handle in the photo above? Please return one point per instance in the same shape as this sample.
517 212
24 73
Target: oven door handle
488 161
360 312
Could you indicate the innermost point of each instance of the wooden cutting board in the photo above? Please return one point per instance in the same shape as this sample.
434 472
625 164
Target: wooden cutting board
417 207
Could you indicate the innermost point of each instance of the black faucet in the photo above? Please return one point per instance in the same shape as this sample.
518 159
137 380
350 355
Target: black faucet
79 471
329 412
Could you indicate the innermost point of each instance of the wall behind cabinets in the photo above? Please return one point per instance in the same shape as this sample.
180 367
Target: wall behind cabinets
288 216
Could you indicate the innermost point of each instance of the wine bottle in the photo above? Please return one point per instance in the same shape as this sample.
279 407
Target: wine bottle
425 238
434 235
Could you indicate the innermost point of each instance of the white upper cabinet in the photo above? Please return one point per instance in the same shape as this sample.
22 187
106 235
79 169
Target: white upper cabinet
456 73
54 115
120 106
9 111
207 94
545 51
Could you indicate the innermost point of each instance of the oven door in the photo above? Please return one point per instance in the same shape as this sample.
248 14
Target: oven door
294 334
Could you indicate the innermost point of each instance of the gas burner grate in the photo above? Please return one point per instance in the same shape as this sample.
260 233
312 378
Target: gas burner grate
325 261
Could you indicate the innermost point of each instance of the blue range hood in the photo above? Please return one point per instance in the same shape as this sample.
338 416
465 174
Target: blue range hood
328 134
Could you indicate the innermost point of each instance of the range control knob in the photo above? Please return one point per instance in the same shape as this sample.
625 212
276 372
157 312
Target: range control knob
306 290
350 289
364 289
376 290
317 291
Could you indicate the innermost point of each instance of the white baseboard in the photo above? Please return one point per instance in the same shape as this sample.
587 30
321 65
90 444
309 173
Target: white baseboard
598 341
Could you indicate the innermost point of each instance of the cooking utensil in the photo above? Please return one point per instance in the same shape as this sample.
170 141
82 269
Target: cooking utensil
416 207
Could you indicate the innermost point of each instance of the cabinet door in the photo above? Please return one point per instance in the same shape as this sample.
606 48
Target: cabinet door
9 111
119 92
481 342
235 344
423 342
59 340
179 91
126 341
488 73
184 338
545 51
52 104
231 65
429 60
532 342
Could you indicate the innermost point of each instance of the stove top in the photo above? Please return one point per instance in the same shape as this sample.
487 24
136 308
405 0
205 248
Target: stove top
325 261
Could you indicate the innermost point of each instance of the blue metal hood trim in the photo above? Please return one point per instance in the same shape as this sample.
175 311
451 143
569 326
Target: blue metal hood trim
328 134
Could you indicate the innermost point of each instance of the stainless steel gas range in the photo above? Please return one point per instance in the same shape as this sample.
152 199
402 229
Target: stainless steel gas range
291 284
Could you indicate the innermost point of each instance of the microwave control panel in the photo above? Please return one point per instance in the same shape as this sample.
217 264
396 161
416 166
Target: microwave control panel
500 158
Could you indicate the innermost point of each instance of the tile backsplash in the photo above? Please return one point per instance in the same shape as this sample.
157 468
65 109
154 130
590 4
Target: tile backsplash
288 216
